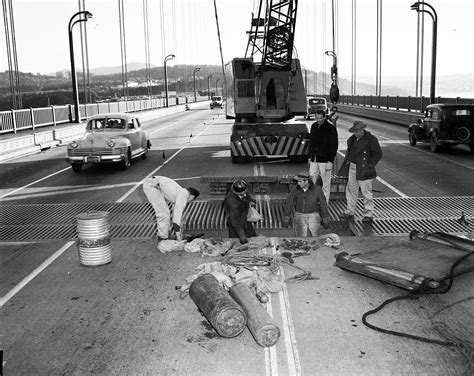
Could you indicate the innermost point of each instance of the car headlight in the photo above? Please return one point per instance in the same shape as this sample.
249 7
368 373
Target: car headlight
110 143
74 144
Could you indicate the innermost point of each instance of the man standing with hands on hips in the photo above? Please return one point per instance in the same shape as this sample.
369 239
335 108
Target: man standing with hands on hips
363 153
323 145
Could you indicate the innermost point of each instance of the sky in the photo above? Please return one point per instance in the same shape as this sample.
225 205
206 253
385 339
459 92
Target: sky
187 29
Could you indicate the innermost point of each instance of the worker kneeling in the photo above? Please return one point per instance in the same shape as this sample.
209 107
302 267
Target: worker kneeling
160 190
310 206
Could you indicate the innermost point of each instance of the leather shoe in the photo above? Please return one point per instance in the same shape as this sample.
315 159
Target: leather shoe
367 219
346 216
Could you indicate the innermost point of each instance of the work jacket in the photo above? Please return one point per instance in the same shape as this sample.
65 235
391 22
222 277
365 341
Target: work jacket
311 201
237 210
365 153
172 193
323 142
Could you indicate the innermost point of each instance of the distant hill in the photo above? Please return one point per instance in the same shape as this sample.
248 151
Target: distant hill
461 85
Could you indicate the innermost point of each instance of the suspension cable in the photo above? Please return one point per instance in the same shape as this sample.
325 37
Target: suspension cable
220 46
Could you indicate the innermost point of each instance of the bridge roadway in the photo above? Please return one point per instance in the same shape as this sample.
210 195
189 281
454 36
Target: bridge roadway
59 317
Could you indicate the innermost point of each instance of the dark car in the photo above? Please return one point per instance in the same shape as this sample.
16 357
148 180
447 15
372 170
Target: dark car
444 125
314 104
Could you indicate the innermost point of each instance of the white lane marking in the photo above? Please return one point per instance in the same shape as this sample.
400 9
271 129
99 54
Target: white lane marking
397 191
34 273
60 251
136 185
37 181
74 189
293 359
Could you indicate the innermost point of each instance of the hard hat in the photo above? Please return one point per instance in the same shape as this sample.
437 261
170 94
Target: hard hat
239 186
332 240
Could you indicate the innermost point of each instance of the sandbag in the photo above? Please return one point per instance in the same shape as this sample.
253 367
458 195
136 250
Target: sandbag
165 246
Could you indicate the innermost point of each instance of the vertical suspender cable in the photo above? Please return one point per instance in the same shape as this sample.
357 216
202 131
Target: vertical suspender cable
162 25
87 56
378 75
147 57
220 46
81 32
121 46
380 46
354 46
422 49
175 46
9 55
324 46
125 51
15 59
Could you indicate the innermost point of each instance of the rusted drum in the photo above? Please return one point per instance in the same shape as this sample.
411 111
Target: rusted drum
259 322
94 239
224 314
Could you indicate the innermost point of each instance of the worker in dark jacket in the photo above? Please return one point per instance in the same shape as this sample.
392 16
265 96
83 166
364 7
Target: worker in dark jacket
236 203
362 155
309 203
323 145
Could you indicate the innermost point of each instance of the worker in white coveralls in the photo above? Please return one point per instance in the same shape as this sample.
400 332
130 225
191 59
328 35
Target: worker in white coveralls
161 190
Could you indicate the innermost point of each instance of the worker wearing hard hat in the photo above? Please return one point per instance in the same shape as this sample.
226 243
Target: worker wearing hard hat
161 190
237 203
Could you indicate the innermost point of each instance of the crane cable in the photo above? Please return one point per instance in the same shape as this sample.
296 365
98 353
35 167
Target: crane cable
220 46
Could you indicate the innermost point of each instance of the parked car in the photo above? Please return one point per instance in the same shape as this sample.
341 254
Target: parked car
216 101
314 104
109 138
444 125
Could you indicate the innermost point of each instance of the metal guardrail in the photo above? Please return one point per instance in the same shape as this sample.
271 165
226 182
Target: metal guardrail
415 104
17 120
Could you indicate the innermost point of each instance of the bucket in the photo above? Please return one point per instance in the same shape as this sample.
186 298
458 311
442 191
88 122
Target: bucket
224 314
94 239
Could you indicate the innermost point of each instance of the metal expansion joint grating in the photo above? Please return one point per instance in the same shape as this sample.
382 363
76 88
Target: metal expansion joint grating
137 220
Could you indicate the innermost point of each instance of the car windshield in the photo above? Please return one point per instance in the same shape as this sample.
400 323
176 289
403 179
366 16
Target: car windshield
317 101
216 99
103 124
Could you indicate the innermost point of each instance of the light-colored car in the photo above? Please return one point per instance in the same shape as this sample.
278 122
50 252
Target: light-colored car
216 101
315 104
109 138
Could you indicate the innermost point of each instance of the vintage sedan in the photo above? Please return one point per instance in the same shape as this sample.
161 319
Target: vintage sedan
444 125
314 104
109 138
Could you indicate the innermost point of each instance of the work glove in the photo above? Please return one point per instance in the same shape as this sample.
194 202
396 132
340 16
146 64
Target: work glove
243 241
325 223
286 221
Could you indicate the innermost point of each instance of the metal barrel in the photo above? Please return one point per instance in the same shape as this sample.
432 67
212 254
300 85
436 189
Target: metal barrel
224 314
94 239
259 322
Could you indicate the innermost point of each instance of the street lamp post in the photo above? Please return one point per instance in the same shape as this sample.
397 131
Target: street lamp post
167 58
434 16
194 81
334 91
209 86
83 17
217 91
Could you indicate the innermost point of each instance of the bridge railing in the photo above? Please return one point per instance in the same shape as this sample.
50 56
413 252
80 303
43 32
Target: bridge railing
18 120
415 104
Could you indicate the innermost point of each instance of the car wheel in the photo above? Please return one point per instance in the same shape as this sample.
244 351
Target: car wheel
434 147
412 137
125 164
76 167
145 154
